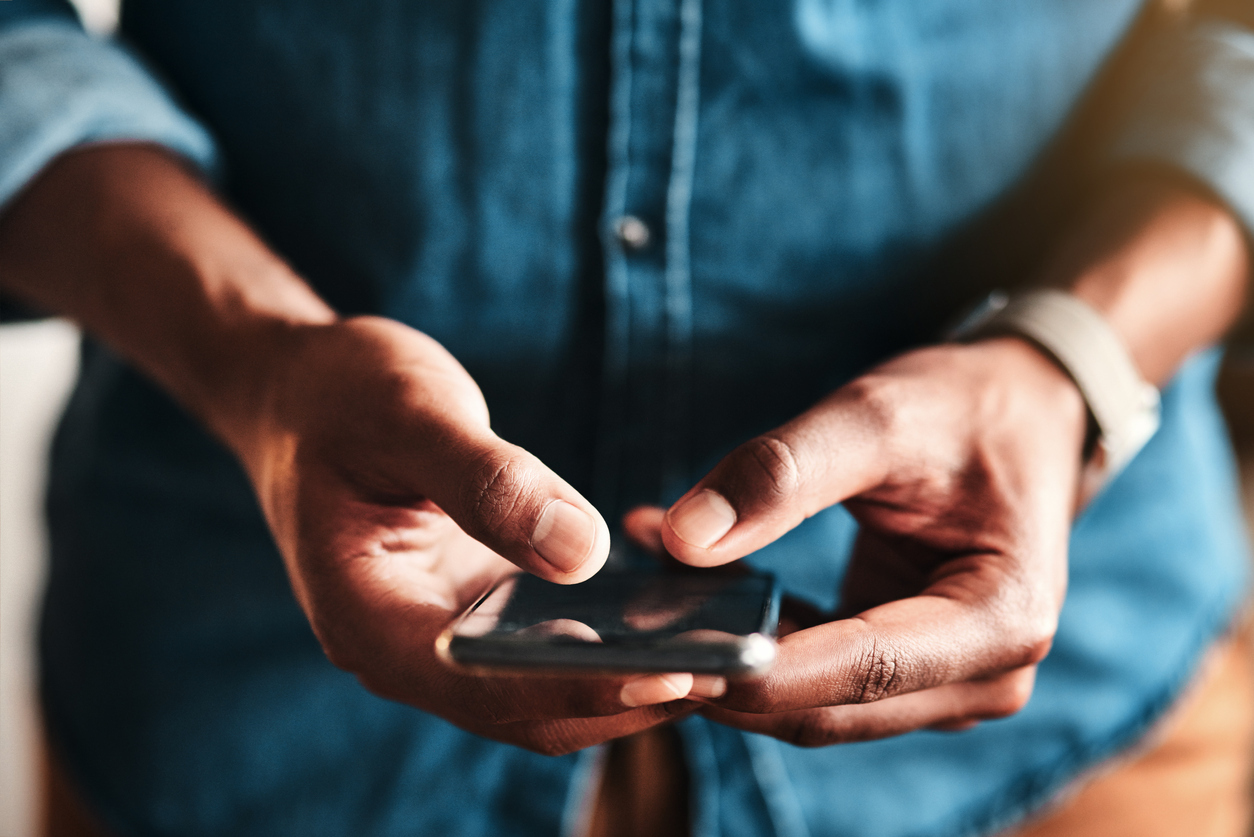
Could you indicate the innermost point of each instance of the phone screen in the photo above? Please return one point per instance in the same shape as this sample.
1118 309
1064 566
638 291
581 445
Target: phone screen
623 620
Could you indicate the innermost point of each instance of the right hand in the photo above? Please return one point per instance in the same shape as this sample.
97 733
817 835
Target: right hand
392 501
395 506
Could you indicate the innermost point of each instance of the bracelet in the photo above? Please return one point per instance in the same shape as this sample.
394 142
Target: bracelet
1124 407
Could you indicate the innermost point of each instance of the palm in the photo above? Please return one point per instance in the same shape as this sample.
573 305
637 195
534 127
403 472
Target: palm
393 504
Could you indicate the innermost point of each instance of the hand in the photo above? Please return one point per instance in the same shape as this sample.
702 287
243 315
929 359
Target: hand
961 465
367 444
393 503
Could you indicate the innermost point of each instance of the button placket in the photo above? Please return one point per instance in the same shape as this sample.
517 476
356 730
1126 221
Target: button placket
647 324
676 437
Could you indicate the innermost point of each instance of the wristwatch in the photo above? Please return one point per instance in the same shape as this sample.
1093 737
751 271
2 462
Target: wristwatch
1123 407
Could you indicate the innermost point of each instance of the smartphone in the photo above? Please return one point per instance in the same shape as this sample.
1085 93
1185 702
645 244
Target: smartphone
621 621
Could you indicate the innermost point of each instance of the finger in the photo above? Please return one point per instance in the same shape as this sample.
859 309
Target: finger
643 525
655 688
708 686
770 484
952 707
523 698
905 646
555 738
515 699
407 669
953 726
384 629
508 500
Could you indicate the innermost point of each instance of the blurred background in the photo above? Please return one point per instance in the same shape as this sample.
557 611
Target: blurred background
37 366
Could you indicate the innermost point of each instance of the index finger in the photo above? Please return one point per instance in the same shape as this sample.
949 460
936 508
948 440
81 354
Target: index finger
770 484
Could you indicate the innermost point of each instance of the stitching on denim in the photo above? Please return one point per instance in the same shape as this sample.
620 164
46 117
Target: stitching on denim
608 453
585 782
562 60
678 265
782 805
706 784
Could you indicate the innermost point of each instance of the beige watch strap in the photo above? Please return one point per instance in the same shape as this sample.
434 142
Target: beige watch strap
1124 406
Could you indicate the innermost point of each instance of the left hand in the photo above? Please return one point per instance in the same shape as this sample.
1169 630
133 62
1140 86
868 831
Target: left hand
961 464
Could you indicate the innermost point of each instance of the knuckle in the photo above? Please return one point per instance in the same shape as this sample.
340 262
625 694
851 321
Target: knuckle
1037 648
495 486
1033 639
776 465
1011 697
878 672
1026 622
877 400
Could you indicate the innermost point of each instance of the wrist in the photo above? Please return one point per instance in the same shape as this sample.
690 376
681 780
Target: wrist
1021 365
1165 264
1123 408
127 242
226 314
231 376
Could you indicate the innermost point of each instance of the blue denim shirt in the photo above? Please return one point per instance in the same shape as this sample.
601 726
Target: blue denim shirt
823 183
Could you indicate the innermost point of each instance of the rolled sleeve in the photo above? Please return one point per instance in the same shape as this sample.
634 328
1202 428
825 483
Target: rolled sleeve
60 87
1192 109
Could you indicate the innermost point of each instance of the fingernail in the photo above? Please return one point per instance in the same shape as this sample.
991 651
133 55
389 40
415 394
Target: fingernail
702 519
656 688
564 536
708 686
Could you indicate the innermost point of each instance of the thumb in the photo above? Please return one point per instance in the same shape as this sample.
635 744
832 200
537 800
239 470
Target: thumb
770 484
511 502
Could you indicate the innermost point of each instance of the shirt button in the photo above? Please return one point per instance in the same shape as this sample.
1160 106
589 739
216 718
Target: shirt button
631 232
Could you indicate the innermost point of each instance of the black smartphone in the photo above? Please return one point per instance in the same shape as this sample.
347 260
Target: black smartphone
621 621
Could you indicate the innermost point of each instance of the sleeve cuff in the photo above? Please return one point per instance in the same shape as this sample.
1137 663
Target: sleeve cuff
1193 110
61 88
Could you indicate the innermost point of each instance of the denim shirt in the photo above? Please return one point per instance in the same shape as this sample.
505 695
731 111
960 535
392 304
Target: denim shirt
811 187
